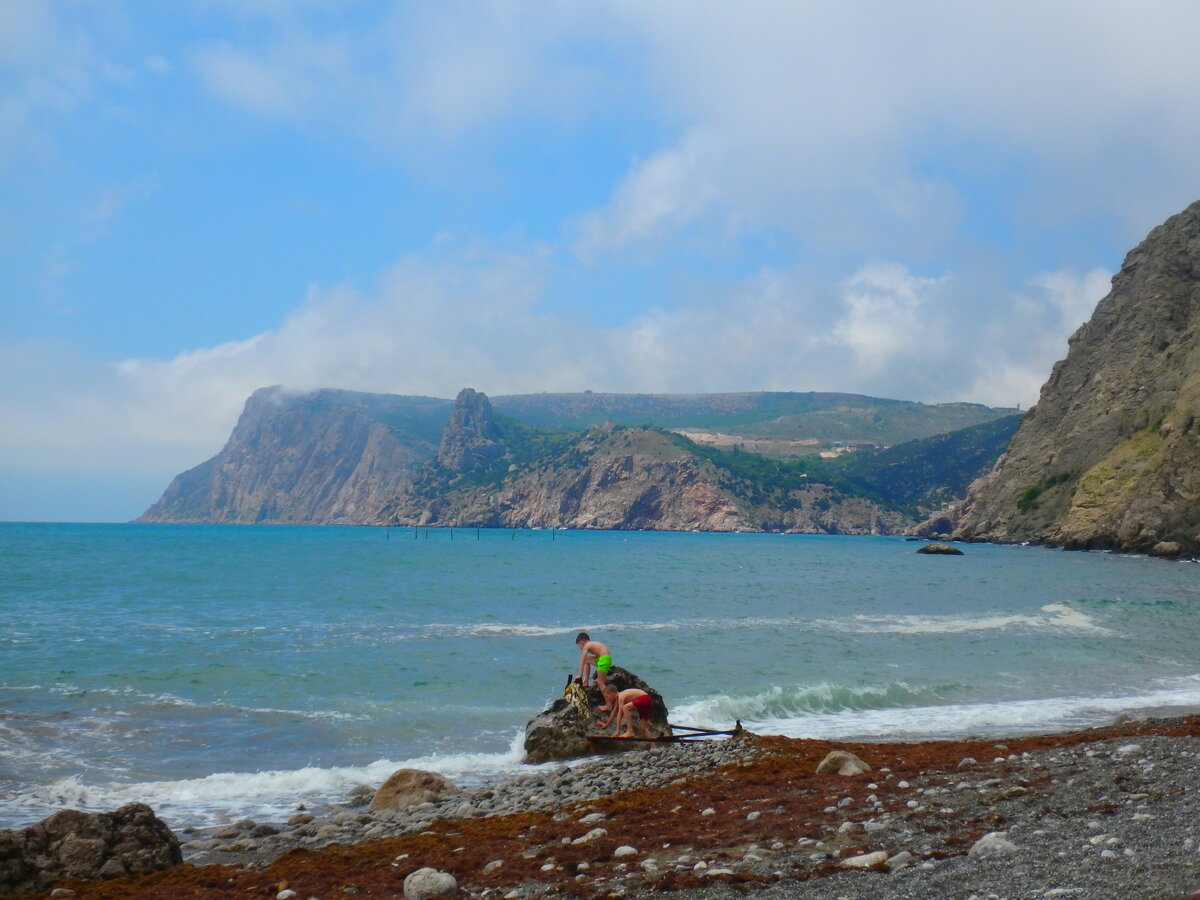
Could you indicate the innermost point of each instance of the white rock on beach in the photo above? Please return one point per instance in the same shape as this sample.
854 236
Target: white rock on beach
592 835
863 861
425 883
842 762
994 842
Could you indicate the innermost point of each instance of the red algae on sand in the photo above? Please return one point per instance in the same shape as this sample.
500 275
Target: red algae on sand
777 796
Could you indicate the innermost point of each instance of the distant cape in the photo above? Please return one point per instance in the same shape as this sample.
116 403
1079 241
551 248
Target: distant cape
588 460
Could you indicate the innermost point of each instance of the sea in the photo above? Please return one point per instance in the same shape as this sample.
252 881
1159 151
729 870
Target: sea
223 672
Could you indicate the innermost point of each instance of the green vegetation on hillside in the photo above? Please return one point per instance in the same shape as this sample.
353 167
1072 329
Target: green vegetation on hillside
772 415
915 478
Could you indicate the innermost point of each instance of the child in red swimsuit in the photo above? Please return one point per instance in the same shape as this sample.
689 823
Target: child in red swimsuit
623 704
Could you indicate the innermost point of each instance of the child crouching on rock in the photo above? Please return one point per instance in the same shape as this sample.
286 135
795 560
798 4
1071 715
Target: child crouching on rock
624 704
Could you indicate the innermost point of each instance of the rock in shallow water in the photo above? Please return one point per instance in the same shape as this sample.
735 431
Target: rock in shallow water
563 730
409 787
939 549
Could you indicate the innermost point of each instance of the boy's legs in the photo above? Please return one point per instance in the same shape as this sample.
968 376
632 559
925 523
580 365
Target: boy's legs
644 725
625 715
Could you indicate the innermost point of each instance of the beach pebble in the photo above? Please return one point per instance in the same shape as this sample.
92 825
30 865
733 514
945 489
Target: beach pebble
992 843
864 860
900 860
427 882
591 818
492 866
750 817
286 894
624 849
708 812
592 835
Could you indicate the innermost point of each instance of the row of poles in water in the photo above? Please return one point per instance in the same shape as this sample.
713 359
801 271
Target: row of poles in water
417 529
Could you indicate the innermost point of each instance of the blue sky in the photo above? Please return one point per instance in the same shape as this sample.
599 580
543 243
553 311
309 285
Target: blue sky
197 199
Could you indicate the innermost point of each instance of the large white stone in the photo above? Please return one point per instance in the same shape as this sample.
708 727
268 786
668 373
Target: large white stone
994 842
427 882
842 762
864 861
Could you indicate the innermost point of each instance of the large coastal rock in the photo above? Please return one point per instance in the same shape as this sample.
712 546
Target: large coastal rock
564 729
408 787
1110 456
86 846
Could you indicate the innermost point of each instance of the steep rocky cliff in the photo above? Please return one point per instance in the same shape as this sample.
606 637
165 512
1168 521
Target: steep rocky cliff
331 457
1110 456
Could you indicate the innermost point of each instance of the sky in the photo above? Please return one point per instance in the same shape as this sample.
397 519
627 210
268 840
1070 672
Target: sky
919 201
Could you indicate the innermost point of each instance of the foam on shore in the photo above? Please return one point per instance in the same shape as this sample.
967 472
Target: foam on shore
883 713
224 797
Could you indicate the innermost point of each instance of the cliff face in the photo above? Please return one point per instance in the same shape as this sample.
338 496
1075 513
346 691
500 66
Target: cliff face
298 461
1110 456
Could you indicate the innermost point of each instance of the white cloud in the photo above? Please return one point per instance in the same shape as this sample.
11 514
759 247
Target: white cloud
467 315
1028 333
663 193
887 318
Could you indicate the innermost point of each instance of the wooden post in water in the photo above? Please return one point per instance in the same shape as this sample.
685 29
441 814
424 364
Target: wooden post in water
451 532
476 532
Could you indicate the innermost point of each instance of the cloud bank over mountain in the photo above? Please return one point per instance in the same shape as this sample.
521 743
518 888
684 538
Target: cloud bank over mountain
918 202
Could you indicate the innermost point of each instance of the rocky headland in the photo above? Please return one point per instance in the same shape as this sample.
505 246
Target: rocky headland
1110 812
586 461
1110 456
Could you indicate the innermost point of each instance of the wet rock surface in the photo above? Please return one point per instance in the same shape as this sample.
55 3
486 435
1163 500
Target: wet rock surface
74 844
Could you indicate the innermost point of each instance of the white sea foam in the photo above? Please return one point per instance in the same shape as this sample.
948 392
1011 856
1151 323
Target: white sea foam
270 795
1052 615
949 720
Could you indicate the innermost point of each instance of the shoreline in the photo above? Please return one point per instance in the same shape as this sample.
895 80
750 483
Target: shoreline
1105 812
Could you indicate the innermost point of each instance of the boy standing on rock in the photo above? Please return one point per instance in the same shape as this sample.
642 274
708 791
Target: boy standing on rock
624 704
592 652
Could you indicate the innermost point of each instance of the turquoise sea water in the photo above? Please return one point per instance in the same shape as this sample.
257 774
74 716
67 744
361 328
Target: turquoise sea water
218 672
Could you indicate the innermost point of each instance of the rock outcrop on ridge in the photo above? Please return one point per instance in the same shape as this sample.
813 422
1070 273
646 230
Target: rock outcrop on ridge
1110 456
87 846
564 729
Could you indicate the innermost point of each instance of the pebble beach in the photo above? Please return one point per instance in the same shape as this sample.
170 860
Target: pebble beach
1108 812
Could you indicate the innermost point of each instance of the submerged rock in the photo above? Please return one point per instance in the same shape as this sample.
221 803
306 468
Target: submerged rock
88 846
564 729
938 548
